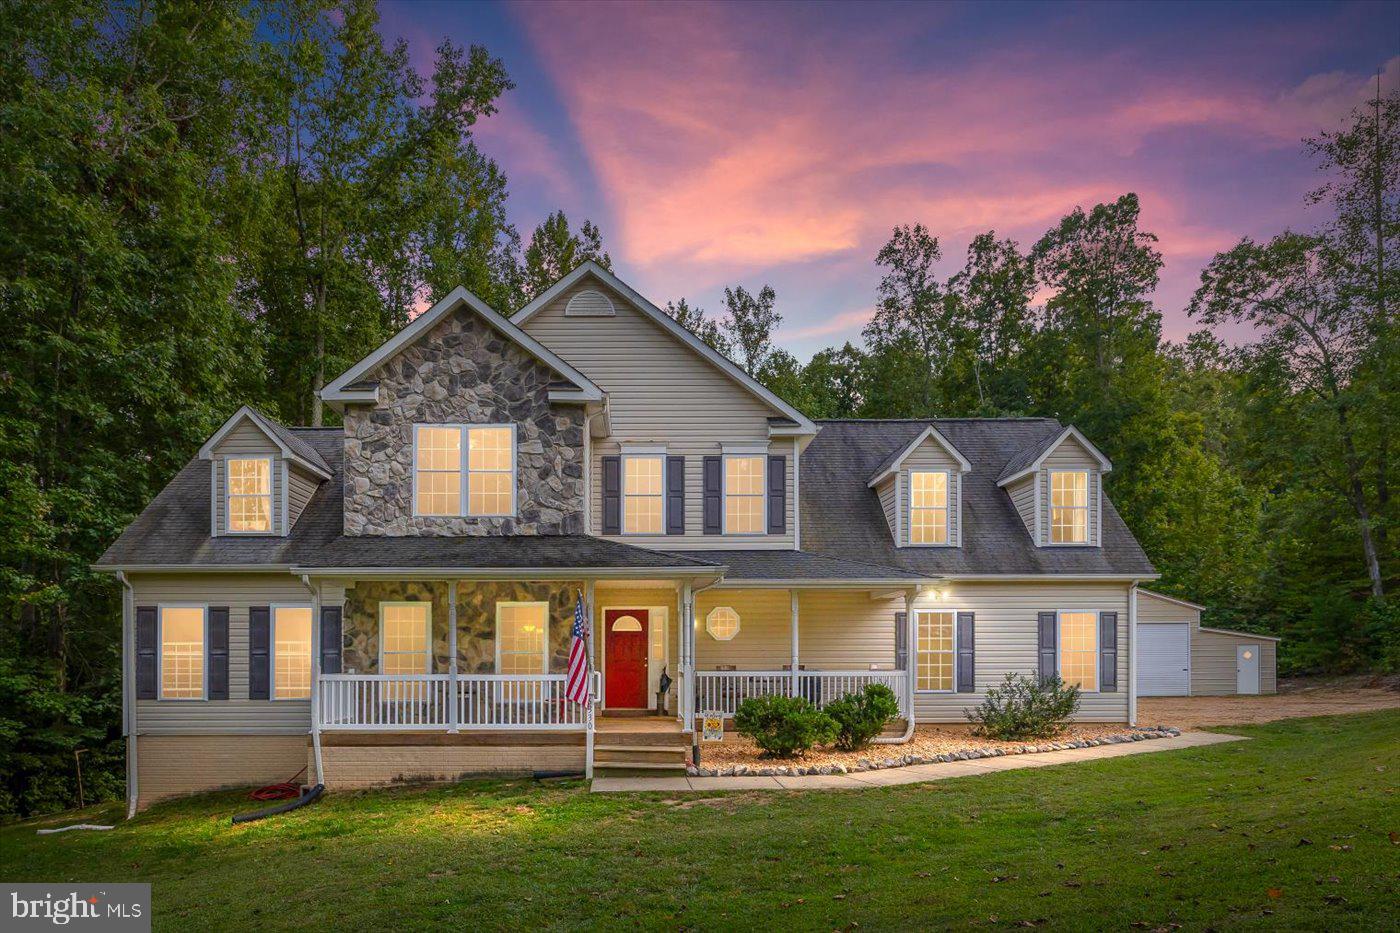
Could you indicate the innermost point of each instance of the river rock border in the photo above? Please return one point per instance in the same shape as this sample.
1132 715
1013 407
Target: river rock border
904 761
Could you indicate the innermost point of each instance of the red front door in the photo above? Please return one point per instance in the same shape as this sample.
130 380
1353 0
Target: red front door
625 645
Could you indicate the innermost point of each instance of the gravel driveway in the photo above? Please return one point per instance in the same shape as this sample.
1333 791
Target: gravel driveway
1189 712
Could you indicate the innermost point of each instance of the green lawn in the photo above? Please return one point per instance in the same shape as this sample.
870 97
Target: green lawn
1296 828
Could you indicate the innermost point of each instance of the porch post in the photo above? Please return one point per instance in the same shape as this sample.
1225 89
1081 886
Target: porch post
688 656
589 724
796 684
911 663
452 700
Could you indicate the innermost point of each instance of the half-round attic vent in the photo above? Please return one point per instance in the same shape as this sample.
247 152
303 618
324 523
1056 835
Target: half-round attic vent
590 303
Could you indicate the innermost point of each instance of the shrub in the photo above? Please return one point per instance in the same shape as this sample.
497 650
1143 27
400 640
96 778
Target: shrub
784 726
1025 708
861 716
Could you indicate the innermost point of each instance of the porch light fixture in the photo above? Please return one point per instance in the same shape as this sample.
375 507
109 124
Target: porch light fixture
722 623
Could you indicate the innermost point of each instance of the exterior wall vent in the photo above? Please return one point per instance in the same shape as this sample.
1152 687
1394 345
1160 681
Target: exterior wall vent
590 303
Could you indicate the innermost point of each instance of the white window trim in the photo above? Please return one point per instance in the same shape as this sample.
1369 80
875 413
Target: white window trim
1098 649
272 649
544 634
623 518
428 632
160 653
724 493
464 482
1050 508
738 623
954 520
271 499
952 652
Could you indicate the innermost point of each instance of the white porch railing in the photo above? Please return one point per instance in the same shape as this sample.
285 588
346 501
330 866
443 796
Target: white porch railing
380 702
723 691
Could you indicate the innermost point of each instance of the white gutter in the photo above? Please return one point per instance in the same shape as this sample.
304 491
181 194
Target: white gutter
1132 653
129 691
315 676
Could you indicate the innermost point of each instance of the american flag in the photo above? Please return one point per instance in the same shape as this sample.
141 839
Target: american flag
576 687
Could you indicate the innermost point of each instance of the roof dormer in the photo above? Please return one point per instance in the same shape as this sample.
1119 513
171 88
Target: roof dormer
920 490
1057 488
261 475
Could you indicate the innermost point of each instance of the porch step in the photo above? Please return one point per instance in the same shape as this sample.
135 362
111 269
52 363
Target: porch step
618 738
638 769
624 754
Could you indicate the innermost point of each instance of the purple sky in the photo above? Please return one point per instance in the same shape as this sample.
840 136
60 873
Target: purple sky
727 144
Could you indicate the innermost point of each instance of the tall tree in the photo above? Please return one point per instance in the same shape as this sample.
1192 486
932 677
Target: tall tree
993 294
694 319
913 311
749 325
555 251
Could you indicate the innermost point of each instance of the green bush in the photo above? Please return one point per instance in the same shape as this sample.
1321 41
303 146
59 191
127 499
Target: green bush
784 726
861 716
1025 708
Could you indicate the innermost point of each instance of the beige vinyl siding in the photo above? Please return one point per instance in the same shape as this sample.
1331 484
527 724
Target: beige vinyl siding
301 486
930 455
764 642
1005 640
1213 663
1153 608
846 630
888 492
245 440
237 714
661 391
172 765
1022 493
1071 455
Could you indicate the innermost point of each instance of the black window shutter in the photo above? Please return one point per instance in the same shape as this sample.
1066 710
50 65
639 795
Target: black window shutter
967 675
330 639
1046 627
675 495
777 495
145 652
612 495
1108 652
259 659
218 653
901 641
713 494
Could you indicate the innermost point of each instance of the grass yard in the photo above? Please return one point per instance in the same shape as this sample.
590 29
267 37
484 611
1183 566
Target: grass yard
1298 828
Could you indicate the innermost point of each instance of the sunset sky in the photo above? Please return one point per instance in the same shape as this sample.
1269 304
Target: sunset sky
724 144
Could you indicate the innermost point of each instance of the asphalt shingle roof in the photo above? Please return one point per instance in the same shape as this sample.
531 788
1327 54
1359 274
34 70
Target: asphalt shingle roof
798 565
842 518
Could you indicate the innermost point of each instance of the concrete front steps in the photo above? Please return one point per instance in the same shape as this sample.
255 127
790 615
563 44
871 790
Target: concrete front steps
651 749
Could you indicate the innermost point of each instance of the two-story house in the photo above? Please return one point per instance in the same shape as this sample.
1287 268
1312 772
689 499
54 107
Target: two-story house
394 598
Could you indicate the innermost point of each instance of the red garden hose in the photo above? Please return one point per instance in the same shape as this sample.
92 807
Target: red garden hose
283 791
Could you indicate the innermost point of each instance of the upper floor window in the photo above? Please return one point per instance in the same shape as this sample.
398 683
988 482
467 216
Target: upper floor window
291 652
457 465
182 644
1079 649
642 495
249 494
1069 507
928 507
744 479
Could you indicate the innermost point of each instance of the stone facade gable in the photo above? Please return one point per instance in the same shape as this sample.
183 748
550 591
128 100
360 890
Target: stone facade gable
463 372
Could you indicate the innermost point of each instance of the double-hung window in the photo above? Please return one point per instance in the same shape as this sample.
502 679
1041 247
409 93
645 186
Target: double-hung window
249 499
934 641
291 652
1069 507
928 507
1079 650
405 638
182 652
522 638
464 470
643 499
744 479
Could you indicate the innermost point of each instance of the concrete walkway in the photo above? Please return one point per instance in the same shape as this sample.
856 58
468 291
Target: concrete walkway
912 774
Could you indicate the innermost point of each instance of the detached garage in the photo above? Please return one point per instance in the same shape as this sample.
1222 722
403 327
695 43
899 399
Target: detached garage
1177 657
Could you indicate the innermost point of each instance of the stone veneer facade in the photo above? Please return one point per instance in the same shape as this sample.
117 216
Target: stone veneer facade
463 372
476 621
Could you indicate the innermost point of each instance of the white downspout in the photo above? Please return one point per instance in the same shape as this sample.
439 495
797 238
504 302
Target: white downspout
796 684
129 691
315 676
910 654
688 598
1132 653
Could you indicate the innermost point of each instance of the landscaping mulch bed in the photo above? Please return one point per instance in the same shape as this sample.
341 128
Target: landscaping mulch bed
738 755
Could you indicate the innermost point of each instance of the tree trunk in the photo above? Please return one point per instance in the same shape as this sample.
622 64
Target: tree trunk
318 376
1356 492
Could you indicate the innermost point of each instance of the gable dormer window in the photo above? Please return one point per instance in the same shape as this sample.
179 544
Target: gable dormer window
1069 507
464 465
928 507
249 484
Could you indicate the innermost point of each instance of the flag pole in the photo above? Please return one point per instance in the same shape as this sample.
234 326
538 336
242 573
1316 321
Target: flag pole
588 712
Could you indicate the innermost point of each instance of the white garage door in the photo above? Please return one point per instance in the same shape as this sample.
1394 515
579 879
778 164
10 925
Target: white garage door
1164 659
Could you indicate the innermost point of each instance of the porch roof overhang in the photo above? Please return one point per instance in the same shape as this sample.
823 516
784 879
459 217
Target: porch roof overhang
512 573
761 569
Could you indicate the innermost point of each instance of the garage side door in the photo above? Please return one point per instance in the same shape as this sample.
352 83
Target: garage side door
1164 659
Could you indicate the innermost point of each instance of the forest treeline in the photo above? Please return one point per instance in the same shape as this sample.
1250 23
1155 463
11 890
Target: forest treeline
216 203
